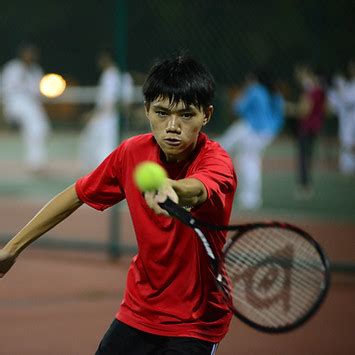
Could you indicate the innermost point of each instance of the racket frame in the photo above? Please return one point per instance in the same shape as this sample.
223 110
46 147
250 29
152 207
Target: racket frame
244 228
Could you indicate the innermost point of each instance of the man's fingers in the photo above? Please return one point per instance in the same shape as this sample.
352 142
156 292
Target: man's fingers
153 199
149 198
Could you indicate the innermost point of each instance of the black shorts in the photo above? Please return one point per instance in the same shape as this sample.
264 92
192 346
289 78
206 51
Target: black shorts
123 339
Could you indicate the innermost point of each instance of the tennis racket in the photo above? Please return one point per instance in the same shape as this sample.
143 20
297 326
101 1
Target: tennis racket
274 276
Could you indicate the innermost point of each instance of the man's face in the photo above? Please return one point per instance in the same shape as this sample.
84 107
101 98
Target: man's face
304 78
176 127
29 55
102 61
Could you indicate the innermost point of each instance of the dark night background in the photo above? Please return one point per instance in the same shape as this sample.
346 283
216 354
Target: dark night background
229 36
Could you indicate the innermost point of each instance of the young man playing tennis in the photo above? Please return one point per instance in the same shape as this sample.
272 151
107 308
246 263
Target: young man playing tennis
171 303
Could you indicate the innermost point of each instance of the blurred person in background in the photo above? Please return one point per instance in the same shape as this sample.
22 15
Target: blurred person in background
309 112
23 107
260 108
101 134
341 98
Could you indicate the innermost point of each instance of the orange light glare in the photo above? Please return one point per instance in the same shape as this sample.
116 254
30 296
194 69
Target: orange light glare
52 85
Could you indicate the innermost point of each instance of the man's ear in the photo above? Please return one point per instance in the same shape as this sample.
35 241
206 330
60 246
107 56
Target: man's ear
208 115
146 108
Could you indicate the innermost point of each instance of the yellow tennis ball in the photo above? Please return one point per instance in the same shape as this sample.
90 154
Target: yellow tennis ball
149 176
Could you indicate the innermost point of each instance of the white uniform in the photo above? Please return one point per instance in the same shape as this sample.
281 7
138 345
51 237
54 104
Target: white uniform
342 100
247 148
23 107
100 136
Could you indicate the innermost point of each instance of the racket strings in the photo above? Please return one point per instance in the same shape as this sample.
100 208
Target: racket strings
304 282
275 276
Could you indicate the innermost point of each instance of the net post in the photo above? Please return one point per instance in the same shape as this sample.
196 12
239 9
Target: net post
114 247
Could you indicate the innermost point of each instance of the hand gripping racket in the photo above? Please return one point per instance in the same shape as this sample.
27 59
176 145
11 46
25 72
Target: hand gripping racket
274 276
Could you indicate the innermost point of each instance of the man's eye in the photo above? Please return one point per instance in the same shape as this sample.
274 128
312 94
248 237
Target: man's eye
161 113
187 115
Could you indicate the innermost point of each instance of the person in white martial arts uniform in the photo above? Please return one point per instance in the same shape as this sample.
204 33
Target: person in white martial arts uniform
101 134
22 104
341 98
260 109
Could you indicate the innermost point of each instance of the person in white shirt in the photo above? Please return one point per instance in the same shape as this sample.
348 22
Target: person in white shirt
22 104
101 134
341 98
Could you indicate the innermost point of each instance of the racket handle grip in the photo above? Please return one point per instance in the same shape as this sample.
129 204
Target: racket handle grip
178 212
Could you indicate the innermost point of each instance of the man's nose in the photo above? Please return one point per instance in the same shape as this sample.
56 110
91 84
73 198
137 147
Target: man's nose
173 124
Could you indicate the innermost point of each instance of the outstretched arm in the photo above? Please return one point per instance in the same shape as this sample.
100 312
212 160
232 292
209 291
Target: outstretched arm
55 211
187 192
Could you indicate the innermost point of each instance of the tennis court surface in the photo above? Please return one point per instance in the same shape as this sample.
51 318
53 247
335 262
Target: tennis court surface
62 302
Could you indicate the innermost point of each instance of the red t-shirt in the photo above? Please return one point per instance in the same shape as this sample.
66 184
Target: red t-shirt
170 287
312 123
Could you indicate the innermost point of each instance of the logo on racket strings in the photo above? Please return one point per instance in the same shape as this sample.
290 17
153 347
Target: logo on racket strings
268 281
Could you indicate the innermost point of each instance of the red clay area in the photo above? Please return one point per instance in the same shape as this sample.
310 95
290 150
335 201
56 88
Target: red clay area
62 302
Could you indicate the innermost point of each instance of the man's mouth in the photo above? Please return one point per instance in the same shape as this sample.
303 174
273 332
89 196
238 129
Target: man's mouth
172 141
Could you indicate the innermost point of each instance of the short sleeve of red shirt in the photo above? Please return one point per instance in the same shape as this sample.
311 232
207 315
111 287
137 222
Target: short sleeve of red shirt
214 169
101 188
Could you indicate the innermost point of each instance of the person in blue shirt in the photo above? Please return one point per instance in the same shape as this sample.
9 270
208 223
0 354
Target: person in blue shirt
261 111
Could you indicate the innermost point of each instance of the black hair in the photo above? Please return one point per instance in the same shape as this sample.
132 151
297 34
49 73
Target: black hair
180 78
107 50
266 79
25 45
